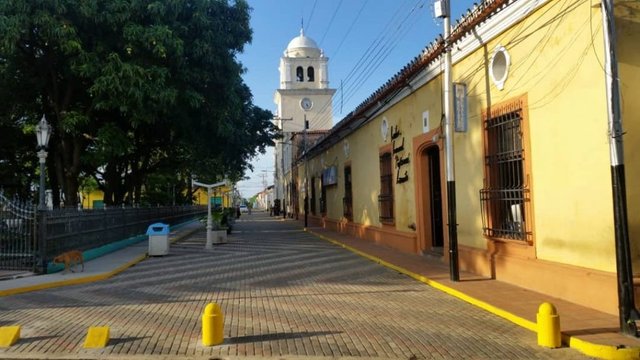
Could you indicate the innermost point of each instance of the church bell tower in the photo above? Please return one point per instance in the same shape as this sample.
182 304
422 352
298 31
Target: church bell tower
304 94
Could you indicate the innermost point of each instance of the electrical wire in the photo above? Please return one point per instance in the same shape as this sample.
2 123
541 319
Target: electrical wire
381 56
538 48
377 52
346 35
313 8
333 17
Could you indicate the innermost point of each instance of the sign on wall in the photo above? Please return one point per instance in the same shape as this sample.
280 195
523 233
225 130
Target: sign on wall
425 122
330 176
460 107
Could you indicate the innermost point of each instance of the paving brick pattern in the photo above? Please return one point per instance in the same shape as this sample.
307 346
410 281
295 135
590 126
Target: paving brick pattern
284 293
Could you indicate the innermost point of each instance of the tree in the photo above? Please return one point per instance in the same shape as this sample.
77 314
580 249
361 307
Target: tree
132 87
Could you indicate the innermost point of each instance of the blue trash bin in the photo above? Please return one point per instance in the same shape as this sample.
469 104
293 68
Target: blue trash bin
158 239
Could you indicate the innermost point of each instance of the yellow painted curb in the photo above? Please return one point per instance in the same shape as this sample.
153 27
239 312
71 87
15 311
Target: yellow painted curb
587 348
9 335
82 280
601 351
97 337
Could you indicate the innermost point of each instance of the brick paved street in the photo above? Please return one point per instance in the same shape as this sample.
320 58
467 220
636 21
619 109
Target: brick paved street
284 294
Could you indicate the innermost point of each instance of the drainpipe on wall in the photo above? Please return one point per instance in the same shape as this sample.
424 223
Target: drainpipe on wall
443 10
306 180
628 313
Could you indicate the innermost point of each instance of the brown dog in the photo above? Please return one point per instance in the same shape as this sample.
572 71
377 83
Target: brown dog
70 260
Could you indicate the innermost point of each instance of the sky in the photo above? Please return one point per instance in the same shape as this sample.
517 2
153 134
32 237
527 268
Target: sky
366 41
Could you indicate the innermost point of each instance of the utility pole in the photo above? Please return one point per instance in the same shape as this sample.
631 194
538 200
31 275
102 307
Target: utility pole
282 173
628 314
443 10
264 178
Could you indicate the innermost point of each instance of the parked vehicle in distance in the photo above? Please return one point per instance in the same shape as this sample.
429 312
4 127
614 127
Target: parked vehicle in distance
244 209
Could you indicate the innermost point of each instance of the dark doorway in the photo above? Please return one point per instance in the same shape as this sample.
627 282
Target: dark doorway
347 201
435 198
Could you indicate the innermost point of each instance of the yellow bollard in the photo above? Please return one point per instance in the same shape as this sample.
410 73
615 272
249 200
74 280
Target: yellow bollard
548 326
212 325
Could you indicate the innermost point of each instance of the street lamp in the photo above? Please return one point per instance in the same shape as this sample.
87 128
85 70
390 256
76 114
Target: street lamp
43 132
209 243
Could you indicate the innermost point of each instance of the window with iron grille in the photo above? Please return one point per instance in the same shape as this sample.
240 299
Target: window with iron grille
385 199
347 201
506 195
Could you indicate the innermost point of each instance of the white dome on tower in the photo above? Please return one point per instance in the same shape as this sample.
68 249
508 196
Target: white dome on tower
302 46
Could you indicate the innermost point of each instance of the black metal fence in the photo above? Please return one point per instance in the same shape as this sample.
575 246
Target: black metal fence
29 239
68 229
17 234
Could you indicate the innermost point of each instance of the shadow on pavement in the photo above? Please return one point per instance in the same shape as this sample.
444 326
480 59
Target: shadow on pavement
27 340
277 336
122 340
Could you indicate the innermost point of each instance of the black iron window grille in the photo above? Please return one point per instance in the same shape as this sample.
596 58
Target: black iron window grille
506 196
385 199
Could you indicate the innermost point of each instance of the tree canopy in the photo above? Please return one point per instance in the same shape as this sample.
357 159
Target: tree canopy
138 92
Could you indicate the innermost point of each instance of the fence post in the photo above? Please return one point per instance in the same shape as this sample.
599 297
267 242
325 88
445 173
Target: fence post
42 239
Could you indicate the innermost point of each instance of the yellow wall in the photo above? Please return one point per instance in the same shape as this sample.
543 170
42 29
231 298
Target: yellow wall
628 33
200 195
89 198
554 65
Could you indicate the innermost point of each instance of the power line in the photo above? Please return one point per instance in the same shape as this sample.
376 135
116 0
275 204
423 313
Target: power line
362 59
382 54
382 46
331 21
344 37
313 8
375 54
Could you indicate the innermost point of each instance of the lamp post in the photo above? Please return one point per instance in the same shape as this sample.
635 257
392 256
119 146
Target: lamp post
43 132
209 243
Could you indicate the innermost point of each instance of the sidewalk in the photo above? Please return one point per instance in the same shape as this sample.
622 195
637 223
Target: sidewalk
97 269
592 332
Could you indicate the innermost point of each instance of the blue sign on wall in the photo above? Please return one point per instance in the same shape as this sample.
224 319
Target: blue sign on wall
330 176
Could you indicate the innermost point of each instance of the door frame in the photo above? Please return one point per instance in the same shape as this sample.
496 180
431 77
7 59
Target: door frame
421 143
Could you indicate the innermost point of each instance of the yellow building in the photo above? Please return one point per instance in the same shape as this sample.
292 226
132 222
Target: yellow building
220 196
532 167
92 199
